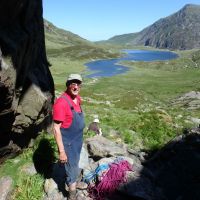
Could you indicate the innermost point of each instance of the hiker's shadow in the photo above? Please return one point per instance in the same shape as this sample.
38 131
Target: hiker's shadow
44 161
59 176
43 158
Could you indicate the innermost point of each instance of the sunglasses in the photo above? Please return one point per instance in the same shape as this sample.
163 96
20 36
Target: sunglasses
75 84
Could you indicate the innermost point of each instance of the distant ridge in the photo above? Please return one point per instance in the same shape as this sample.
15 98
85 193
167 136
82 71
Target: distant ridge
177 31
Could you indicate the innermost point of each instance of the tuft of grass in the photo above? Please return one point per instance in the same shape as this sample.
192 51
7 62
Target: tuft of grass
12 167
154 130
89 134
28 187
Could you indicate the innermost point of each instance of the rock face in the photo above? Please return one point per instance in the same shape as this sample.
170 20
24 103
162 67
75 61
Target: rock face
100 147
177 31
26 84
180 30
190 100
175 168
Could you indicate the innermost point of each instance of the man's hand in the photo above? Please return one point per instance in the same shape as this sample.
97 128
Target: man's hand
63 157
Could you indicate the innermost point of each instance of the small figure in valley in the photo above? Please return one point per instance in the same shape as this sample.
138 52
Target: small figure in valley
68 131
94 126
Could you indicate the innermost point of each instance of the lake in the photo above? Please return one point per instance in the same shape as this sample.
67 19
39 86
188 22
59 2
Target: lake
109 67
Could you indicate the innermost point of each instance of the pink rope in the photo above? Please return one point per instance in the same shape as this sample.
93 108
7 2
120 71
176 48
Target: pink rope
110 181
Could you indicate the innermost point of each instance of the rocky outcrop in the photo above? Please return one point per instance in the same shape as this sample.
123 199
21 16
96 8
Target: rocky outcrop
177 31
169 173
26 84
101 147
190 100
180 30
175 168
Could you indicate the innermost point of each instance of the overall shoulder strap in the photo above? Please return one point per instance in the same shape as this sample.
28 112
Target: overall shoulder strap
64 97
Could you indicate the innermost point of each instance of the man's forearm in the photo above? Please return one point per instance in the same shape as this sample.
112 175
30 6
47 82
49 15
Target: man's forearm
58 138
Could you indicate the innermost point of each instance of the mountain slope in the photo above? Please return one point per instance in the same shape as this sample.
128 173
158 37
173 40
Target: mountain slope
64 43
56 37
178 31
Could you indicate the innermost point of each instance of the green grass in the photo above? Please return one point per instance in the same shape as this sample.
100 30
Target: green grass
29 187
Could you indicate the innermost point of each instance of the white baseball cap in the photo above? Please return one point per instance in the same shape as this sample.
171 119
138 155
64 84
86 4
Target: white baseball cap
96 120
74 77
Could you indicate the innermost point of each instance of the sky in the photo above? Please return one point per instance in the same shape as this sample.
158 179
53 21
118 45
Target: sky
97 20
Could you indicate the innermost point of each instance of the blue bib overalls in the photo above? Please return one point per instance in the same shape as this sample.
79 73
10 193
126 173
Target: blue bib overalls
72 138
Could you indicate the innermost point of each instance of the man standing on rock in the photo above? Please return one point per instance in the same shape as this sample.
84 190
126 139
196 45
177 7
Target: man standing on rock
68 131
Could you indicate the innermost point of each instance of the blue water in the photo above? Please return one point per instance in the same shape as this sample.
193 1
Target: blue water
109 67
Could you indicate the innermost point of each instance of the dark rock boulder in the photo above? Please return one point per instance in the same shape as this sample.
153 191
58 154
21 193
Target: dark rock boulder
26 84
176 167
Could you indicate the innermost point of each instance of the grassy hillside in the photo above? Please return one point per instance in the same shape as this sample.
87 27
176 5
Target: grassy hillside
56 37
62 43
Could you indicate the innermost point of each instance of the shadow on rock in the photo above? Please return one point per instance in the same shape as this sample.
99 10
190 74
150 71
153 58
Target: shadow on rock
44 158
59 176
176 167
171 173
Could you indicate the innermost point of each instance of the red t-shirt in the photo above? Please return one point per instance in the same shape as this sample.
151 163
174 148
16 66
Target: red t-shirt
62 111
